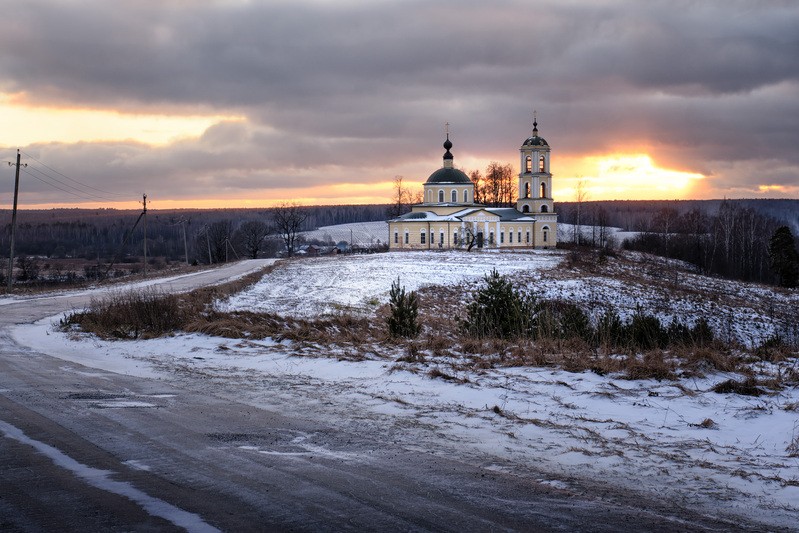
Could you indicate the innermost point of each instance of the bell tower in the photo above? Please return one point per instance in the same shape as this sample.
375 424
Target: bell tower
535 179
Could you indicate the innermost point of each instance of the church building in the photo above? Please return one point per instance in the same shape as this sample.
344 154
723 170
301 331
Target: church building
448 218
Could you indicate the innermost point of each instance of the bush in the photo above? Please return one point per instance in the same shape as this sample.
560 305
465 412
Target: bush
645 332
498 310
404 318
131 315
609 328
556 319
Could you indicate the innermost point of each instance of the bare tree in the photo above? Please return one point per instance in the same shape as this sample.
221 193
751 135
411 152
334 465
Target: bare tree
216 238
288 219
479 184
251 235
498 190
581 196
401 198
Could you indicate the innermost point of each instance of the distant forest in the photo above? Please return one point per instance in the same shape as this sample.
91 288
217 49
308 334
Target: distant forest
98 234
727 238
721 237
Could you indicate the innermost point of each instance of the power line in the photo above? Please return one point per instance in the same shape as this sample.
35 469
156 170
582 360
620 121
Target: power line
81 196
48 179
71 179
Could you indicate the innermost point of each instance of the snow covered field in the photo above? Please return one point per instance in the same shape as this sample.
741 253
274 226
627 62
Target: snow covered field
726 454
328 285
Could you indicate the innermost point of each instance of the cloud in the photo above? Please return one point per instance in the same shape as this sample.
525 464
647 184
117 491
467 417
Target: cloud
359 91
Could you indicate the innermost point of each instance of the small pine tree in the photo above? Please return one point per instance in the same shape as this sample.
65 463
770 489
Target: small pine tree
499 310
404 318
610 329
783 257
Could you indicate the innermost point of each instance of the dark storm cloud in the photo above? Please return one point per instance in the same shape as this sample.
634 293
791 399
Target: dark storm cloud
324 84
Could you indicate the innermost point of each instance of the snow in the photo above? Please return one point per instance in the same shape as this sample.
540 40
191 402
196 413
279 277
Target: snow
725 454
330 285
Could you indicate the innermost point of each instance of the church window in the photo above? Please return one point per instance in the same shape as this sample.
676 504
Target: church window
541 164
441 196
455 238
544 209
501 237
528 165
432 237
441 237
491 237
454 196
528 236
510 236
526 209
465 196
396 237
422 237
519 240
527 190
545 233
543 190
406 236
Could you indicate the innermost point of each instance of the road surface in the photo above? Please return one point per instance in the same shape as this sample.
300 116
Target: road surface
83 449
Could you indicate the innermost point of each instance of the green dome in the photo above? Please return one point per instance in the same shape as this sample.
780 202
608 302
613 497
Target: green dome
535 141
448 175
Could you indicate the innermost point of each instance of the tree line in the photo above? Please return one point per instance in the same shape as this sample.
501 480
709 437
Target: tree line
94 234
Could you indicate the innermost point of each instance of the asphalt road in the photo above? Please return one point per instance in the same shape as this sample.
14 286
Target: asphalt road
83 449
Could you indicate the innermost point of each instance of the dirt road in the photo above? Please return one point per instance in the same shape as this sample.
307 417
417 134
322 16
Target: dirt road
86 449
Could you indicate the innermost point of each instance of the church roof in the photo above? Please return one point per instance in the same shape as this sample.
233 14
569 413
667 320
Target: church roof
505 214
534 139
449 175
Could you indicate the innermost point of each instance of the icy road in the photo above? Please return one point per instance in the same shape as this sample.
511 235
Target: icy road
86 449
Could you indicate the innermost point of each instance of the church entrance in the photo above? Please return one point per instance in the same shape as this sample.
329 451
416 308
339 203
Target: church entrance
480 239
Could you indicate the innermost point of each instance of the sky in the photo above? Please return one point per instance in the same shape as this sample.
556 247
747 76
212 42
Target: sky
246 103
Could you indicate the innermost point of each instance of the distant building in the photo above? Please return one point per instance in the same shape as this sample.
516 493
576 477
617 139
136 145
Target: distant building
448 218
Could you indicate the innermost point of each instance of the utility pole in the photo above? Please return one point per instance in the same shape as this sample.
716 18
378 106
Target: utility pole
13 223
185 246
144 203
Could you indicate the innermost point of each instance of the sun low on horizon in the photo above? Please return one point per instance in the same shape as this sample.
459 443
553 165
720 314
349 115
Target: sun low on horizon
624 176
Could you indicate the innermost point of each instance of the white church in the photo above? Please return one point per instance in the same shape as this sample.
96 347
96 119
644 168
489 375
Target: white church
448 218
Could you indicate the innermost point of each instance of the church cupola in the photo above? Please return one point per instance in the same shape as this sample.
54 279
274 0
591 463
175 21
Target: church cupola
448 185
447 154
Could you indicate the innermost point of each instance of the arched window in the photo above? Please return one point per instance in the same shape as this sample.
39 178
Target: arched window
441 196
510 236
541 164
396 237
429 197
406 236
441 236
465 196
422 237
545 233
528 165
543 190
519 240
526 209
544 209
527 189
454 196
